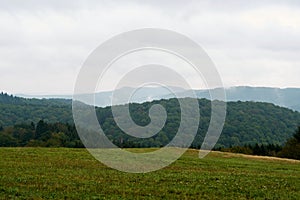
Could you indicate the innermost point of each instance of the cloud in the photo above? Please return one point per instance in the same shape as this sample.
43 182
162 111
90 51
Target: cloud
44 43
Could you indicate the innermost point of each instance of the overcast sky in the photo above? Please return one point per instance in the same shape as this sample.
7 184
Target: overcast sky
44 43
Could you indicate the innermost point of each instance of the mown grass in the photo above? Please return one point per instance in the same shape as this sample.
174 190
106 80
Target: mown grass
59 173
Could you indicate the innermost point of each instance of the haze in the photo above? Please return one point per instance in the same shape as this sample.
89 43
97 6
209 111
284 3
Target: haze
44 43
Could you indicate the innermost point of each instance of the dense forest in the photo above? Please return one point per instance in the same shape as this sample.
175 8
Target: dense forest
41 134
247 123
17 110
291 149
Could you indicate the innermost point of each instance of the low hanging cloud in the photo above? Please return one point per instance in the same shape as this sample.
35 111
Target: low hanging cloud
44 43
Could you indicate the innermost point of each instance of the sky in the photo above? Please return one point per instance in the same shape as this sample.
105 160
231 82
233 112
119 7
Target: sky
43 44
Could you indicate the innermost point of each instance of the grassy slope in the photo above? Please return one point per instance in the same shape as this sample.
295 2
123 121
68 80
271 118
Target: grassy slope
34 173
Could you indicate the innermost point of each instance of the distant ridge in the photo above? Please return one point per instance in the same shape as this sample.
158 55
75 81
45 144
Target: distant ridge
287 97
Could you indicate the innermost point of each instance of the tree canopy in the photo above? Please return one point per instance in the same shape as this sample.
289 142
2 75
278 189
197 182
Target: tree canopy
292 147
247 123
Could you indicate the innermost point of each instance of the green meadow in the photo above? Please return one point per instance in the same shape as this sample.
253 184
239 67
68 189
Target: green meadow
61 173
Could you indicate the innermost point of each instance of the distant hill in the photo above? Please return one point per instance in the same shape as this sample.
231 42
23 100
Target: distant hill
15 110
246 122
103 99
288 97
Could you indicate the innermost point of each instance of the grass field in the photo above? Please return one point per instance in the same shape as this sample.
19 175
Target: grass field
58 173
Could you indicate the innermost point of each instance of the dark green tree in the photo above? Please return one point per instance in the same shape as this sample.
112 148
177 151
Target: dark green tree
41 129
292 147
297 135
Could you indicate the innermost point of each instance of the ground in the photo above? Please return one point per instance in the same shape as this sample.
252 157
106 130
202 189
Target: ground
60 173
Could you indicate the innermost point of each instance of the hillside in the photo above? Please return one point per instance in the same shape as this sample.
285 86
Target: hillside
16 110
246 123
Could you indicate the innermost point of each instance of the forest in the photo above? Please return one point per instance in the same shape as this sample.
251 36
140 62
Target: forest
48 122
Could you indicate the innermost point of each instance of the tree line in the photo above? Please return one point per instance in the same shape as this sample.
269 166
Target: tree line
45 134
42 134
291 149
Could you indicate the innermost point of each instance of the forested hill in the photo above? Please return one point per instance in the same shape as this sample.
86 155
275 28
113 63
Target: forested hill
10 99
246 122
16 110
